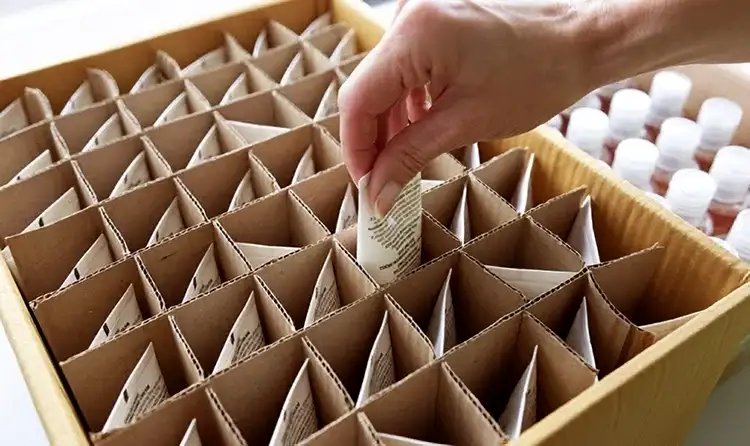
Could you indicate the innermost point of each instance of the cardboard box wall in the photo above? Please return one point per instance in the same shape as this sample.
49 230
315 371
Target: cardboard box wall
642 401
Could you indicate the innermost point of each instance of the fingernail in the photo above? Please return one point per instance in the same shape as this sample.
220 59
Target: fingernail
386 198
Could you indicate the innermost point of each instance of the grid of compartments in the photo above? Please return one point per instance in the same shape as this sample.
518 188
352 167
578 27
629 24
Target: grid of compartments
209 208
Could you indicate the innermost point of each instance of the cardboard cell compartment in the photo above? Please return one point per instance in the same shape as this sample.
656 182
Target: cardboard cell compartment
96 126
232 82
29 108
330 207
316 95
165 103
354 429
272 36
338 42
332 125
29 151
440 169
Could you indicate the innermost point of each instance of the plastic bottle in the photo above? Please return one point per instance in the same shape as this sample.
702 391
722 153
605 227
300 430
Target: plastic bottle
718 119
627 116
591 100
724 244
669 92
587 129
739 235
731 171
606 92
689 195
677 141
635 160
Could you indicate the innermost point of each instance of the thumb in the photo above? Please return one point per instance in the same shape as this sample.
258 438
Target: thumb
410 150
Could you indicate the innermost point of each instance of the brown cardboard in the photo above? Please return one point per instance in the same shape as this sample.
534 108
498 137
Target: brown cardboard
327 39
98 85
282 154
559 213
347 67
331 124
431 405
214 84
33 106
325 205
44 257
146 106
502 173
88 303
276 35
490 365
151 200
442 168
95 392
167 424
311 60
353 429
78 128
269 108
308 92
172 263
25 146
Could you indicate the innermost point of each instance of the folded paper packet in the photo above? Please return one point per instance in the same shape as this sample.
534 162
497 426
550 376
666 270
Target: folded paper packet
98 86
239 89
306 166
471 156
143 390
296 69
442 327
229 52
135 174
390 246
33 106
111 130
253 133
329 104
346 48
520 413
460 225
191 437
530 282
258 255
209 147
245 336
299 418
426 185
170 223
579 336
348 210
41 162
582 237
273 31
244 192
380 370
126 313
316 25
188 102
164 68
205 277
95 258
397 440
522 197
325 298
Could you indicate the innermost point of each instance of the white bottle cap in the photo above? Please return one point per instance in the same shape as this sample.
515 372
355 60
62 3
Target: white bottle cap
669 92
677 141
690 193
587 129
739 235
634 162
591 100
719 119
724 244
608 91
627 114
731 171
555 122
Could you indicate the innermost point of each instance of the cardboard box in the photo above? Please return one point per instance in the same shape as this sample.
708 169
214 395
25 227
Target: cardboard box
666 306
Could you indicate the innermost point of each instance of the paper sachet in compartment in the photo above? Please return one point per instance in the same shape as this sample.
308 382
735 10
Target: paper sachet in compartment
41 162
319 23
13 118
295 71
95 258
325 297
306 166
390 246
582 236
329 105
67 205
426 185
238 89
135 174
258 255
348 210
98 86
471 156
460 225
530 282
111 130
442 327
579 336
169 223
346 48
522 197
229 52
209 147
244 192
298 419
397 440
256 132
144 389
380 370
261 43
245 336
191 437
520 413
126 313
206 276
164 68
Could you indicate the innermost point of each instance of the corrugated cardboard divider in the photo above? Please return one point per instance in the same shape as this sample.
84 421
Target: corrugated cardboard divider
275 62
503 173
151 201
95 392
326 205
292 279
146 106
332 125
442 168
88 303
179 139
354 429
559 213
173 262
25 146
79 127
479 298
326 39
431 405
167 424
308 92
214 182
268 108
215 84
486 209
347 67
44 257
492 363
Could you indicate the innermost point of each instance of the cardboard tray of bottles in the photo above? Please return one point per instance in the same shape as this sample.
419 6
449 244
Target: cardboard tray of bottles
176 212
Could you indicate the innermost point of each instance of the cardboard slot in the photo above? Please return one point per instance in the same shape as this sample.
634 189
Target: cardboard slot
206 322
256 409
275 63
292 280
29 108
338 42
431 405
486 210
308 93
271 36
104 168
46 257
230 51
188 102
80 130
109 365
117 126
320 23
327 206
164 69
271 111
152 201
167 424
88 303
503 173
232 82
347 67
147 106
309 60
491 364
361 321
280 220
284 154
226 173
523 244
353 429
467 155
331 124
98 86
26 146
479 298
173 263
